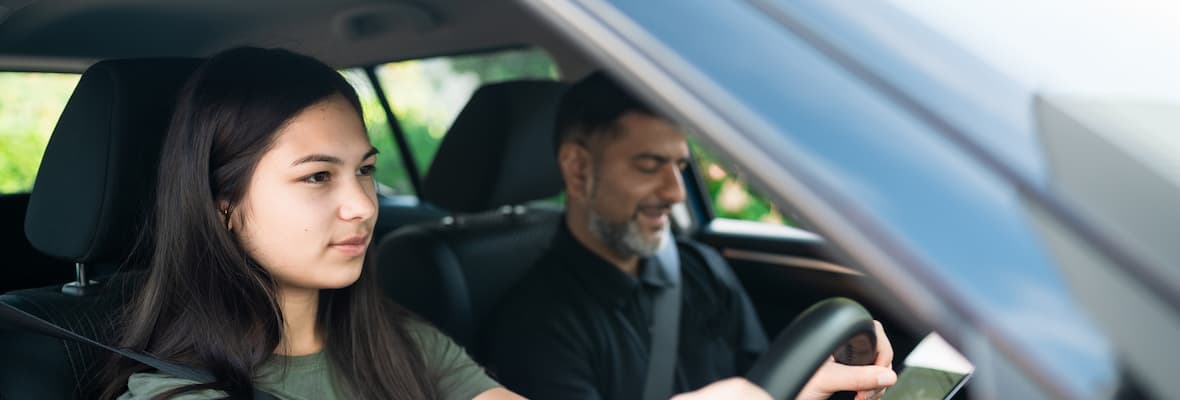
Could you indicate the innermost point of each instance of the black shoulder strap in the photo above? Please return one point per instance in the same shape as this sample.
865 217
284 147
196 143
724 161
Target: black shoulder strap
665 332
22 319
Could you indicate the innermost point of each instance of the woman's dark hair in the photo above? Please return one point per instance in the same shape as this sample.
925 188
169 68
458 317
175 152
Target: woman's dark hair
205 302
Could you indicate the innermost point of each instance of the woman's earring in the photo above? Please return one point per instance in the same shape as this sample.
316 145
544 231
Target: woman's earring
225 214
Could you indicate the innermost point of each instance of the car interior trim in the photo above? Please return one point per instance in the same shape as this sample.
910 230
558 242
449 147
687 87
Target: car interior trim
789 261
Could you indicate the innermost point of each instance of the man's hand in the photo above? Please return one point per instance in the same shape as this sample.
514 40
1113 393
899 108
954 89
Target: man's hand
869 381
732 388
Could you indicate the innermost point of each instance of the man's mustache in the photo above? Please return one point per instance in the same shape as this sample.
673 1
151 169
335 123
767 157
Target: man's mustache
665 207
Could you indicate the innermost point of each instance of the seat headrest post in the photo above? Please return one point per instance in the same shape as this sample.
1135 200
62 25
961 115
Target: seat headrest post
82 286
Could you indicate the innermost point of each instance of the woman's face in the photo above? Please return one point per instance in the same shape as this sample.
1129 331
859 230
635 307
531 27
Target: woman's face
310 207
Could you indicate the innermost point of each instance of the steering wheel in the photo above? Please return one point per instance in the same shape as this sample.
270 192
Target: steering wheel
801 348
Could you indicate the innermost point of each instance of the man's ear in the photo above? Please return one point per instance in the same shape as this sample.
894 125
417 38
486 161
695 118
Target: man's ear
576 169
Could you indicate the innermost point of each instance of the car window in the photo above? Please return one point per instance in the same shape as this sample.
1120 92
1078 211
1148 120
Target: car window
392 178
427 94
730 196
30 104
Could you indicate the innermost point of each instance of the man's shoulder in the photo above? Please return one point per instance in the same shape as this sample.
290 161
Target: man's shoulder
695 249
703 262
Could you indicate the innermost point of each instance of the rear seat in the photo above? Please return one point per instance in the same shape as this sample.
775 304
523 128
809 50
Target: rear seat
89 201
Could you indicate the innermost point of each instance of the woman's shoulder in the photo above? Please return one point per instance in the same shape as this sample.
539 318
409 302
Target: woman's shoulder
438 349
458 377
148 385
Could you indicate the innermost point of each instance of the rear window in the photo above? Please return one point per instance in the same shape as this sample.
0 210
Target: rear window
427 94
30 104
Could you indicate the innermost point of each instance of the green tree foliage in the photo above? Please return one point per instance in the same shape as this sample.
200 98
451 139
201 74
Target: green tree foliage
427 94
731 197
507 65
29 106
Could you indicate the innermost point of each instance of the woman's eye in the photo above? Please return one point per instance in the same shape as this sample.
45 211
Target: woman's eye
367 170
318 177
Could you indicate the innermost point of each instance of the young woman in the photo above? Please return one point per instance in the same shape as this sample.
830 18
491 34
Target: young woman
265 206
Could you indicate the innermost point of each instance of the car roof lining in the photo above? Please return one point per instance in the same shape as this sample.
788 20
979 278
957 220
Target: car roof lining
67 36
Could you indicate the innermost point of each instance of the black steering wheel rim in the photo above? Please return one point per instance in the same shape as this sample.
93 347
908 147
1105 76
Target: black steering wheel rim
801 348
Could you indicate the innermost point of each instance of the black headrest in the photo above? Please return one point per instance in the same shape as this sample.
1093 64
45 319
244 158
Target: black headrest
97 177
499 151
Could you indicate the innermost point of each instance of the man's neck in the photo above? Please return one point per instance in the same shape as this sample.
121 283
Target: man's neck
579 226
300 307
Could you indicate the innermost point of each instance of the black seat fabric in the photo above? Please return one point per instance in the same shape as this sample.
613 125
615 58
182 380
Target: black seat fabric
499 150
394 213
454 184
88 204
454 273
497 156
24 266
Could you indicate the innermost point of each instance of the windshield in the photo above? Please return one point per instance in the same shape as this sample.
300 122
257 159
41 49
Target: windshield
1122 58
1125 49
1103 80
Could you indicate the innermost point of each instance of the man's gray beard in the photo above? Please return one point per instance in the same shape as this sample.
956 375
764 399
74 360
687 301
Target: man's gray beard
625 239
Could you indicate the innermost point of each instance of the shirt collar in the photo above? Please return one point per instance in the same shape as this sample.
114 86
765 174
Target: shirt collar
601 278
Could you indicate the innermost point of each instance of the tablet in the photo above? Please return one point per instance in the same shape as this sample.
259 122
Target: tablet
933 371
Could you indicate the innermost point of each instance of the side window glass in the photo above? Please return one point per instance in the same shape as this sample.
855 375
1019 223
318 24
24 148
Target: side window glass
427 94
392 178
730 196
30 104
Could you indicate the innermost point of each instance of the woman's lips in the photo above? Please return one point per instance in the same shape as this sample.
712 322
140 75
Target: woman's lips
351 247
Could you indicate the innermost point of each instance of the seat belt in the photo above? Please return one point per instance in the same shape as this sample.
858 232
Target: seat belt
22 319
665 330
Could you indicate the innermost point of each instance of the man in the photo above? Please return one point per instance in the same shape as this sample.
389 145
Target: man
578 327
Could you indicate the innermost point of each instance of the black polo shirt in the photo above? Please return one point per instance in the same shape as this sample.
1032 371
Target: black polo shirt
577 327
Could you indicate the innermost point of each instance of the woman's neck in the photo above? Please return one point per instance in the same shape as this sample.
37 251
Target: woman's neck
300 336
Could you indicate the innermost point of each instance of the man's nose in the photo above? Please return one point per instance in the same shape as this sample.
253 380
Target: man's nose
672 185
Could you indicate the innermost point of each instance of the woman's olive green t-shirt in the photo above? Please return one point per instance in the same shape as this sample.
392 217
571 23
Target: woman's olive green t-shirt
308 377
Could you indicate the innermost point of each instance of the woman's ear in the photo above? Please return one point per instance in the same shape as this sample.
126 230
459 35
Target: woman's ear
576 169
226 211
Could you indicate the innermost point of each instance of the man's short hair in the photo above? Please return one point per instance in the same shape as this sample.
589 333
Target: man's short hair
591 107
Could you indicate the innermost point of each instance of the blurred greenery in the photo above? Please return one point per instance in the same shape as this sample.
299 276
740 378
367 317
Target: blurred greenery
29 106
507 65
425 95
730 195
390 172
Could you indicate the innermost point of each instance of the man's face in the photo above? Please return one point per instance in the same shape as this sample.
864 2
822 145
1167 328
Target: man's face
634 180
